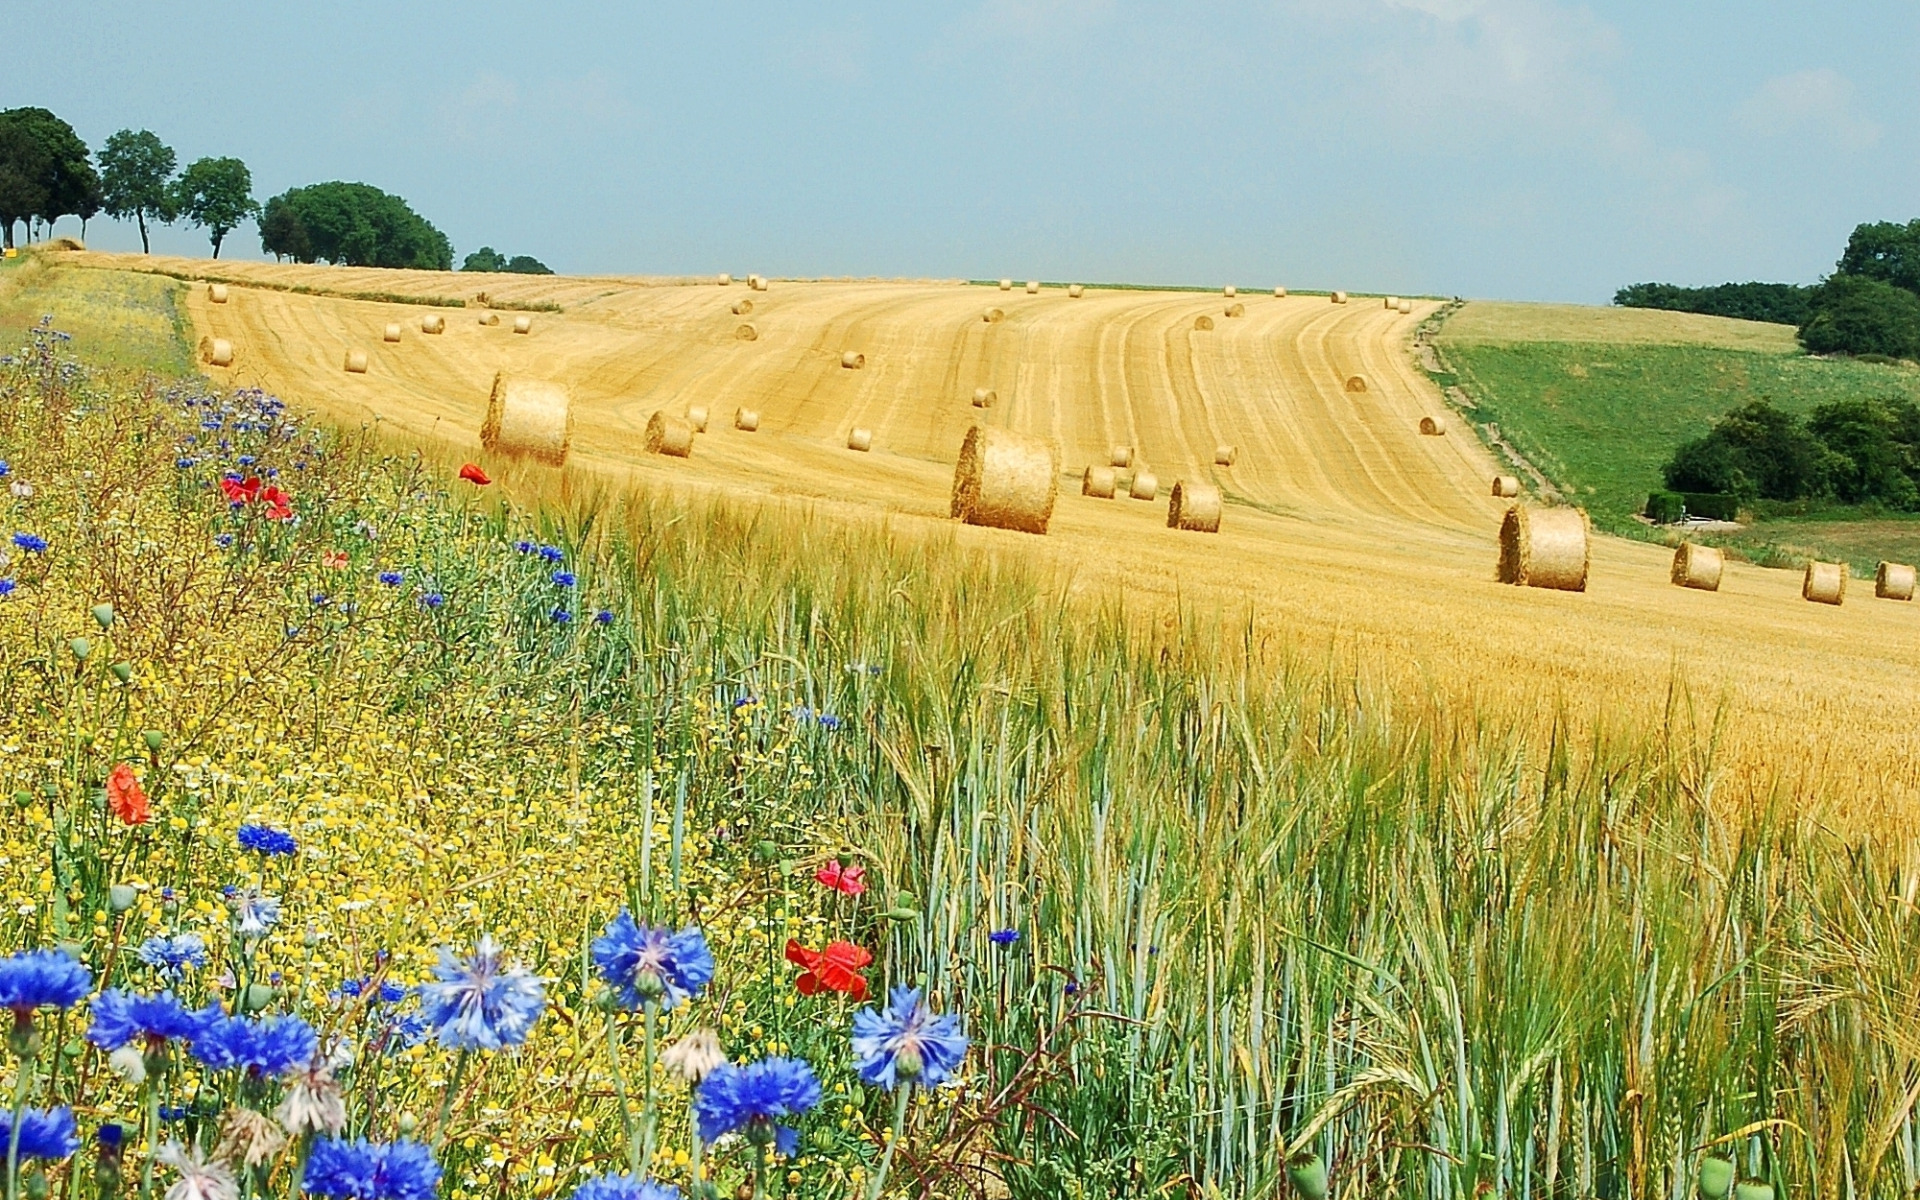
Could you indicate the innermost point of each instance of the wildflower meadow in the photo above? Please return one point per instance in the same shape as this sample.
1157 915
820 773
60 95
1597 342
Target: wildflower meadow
387 826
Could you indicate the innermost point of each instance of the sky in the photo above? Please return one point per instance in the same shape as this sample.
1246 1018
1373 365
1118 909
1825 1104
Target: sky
1516 149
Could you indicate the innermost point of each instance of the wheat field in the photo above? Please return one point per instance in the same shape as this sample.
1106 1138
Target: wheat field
1347 534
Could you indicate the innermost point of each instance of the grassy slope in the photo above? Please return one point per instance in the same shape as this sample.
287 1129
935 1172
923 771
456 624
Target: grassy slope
1598 398
116 318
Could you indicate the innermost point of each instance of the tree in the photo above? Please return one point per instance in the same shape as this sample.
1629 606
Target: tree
526 264
136 170
1854 314
352 223
46 171
1780 303
1885 251
1754 451
486 258
1870 461
215 194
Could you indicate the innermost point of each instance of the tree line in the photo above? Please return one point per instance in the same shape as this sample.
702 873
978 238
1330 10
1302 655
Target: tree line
1869 307
1860 451
47 172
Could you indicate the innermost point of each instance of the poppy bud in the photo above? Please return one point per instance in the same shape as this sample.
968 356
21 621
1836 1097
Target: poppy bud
765 852
1308 1174
120 897
1753 1189
256 998
901 914
155 739
123 671
1715 1178
73 1048
81 647
103 615
408 1123
23 799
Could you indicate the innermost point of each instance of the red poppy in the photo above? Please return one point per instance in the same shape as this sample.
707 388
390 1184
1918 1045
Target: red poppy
334 560
851 879
125 797
279 504
241 491
835 969
473 474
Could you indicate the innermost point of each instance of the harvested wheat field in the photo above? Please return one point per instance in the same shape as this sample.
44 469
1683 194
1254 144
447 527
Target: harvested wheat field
1345 529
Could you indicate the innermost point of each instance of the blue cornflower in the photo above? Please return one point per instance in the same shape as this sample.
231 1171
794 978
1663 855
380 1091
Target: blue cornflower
224 541
245 460
172 956
122 1017
111 1136
907 1043
186 464
388 992
32 543
34 979
524 547
5 468
561 616
624 1187
7 586
253 912
477 1003
268 1046
266 840
552 554
320 600
564 579
44 1132
643 963
432 600
751 1100
392 578
363 1170
828 721
1004 937
603 617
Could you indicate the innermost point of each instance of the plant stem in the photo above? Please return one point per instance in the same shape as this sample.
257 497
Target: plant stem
446 1105
648 1116
152 1087
900 1099
693 1159
620 1091
759 1171
21 1083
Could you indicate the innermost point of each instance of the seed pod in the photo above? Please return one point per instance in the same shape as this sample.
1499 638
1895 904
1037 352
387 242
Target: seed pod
154 739
81 647
103 615
120 897
1308 1174
123 671
1715 1178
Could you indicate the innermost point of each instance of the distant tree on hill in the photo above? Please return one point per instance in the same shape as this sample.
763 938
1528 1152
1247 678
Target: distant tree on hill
215 194
1872 450
1780 303
46 171
1755 451
1855 314
486 258
354 224
136 170
1885 251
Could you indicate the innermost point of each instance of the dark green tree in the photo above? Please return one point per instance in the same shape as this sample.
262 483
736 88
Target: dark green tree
1755 451
526 264
1854 314
1886 251
1869 460
136 171
1780 303
46 171
486 258
352 223
215 194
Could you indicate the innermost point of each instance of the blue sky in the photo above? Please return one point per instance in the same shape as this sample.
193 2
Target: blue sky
1523 149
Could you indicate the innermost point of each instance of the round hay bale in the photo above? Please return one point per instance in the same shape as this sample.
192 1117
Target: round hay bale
1279 293
217 292
984 397
993 316
1203 322
490 318
745 333
1144 486
1075 291
1194 506
759 283
742 308
1392 303
1338 297
529 417
1544 548
725 280
1033 287
66 243
1824 583
1432 428
1406 306
669 435
1698 567
391 333
1506 486
1230 291
1006 285
852 360
1122 456
1099 482
697 417
357 362
1006 480
860 439
1225 455
746 420
433 323
1893 581
523 324
216 352
1356 383
1236 309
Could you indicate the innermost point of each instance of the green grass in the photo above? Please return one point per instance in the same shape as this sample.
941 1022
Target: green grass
1599 399
116 318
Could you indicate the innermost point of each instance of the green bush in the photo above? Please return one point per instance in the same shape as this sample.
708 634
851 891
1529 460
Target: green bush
1780 303
352 224
1711 506
1665 508
1852 314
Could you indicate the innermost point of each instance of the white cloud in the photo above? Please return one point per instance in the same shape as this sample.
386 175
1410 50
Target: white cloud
1818 101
